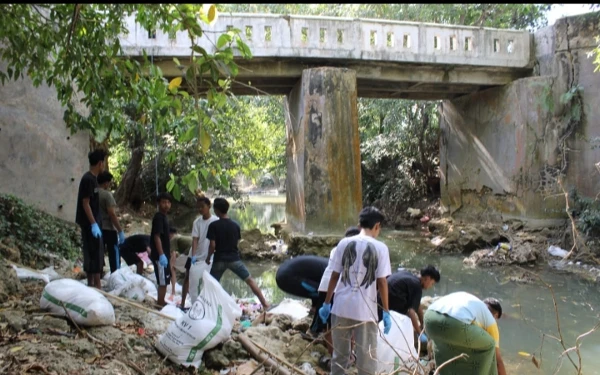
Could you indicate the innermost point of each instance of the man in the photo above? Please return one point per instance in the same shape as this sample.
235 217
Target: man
361 264
301 275
131 247
200 243
224 235
405 292
88 216
110 222
461 323
160 246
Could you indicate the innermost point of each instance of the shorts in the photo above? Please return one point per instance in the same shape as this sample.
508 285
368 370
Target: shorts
93 252
131 258
163 274
237 267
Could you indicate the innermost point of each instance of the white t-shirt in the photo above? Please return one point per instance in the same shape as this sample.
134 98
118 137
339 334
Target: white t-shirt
199 230
327 274
360 260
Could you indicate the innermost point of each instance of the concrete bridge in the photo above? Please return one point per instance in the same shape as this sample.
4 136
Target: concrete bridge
391 59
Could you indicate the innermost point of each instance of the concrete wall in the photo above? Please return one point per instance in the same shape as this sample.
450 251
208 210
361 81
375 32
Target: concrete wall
40 161
501 148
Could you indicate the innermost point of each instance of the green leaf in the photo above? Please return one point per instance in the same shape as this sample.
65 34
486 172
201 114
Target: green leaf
192 184
224 181
196 48
170 185
223 40
204 172
176 61
204 139
176 192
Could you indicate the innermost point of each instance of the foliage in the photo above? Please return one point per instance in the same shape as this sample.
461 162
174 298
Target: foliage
587 212
35 232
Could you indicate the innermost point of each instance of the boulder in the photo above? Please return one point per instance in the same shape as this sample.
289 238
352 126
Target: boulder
234 350
10 285
215 359
300 244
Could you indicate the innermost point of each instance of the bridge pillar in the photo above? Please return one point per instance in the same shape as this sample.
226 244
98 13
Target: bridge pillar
323 185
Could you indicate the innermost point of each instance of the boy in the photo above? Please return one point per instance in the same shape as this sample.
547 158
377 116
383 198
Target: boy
88 216
364 264
160 246
224 235
200 243
110 222
132 246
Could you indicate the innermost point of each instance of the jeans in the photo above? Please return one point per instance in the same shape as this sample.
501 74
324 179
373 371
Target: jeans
237 267
365 336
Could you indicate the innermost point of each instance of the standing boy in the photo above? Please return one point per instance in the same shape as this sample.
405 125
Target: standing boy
88 216
160 246
224 235
110 222
363 263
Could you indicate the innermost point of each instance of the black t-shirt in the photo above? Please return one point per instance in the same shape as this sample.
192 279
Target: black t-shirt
226 233
310 267
135 244
160 226
88 188
404 290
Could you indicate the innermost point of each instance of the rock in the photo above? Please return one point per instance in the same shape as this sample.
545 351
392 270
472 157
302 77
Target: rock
10 284
300 244
215 359
15 319
57 324
253 235
302 325
283 322
11 252
234 350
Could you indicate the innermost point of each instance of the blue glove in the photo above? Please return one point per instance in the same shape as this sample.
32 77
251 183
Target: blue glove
121 237
387 322
117 257
193 258
162 260
312 292
324 312
96 232
424 338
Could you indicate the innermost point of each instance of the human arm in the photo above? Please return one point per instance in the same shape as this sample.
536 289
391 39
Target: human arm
420 313
158 244
335 276
113 218
382 286
500 363
88 210
211 250
194 245
415 320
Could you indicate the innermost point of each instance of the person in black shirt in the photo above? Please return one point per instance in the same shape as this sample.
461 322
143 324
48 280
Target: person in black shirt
160 246
300 276
405 291
88 216
224 235
132 246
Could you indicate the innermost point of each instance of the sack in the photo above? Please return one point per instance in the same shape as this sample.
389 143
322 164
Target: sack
196 272
85 305
401 338
122 281
208 323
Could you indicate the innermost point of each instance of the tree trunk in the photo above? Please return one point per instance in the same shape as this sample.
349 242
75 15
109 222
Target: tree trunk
129 191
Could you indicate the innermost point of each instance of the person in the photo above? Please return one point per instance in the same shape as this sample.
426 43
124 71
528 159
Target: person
200 243
224 235
179 244
132 246
405 291
361 264
317 325
88 216
462 323
300 277
112 233
160 246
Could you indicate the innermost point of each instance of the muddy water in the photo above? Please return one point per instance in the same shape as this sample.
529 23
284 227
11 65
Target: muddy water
529 317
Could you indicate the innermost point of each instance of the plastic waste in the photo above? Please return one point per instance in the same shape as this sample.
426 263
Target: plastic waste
504 246
293 308
505 227
308 369
557 251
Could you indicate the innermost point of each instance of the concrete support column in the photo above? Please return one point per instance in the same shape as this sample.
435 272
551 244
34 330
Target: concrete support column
323 186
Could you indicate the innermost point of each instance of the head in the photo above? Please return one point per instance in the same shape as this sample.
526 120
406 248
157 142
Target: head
105 179
172 232
96 159
370 219
203 205
352 231
429 276
220 206
164 202
494 307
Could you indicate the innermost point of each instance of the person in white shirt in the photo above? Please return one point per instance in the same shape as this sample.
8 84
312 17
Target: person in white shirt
361 264
200 243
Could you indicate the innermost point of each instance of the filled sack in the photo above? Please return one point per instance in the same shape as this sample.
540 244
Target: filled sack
196 272
399 350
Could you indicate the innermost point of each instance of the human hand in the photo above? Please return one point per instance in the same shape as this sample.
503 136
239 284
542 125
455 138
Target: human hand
193 258
324 312
208 260
121 237
162 260
387 322
96 232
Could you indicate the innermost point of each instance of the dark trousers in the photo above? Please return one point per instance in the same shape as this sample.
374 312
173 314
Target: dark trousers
110 241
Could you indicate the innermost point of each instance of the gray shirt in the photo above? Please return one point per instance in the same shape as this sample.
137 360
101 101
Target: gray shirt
106 200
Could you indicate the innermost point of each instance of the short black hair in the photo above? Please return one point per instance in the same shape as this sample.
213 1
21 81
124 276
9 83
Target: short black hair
494 304
103 177
96 157
369 216
163 196
432 272
352 231
221 205
204 200
172 230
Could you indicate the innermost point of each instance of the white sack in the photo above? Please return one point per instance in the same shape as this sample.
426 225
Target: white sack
401 338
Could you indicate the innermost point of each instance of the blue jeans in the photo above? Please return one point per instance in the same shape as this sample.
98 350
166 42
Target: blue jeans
237 267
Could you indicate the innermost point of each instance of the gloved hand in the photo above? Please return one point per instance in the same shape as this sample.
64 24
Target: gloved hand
387 322
312 292
96 232
193 258
162 260
324 312
121 237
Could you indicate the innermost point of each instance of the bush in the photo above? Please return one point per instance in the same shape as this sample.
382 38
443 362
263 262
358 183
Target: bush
35 232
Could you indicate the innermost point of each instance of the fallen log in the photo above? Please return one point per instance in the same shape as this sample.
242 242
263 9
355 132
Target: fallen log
275 367
136 305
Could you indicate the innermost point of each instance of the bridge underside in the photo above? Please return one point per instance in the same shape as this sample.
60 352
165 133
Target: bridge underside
374 79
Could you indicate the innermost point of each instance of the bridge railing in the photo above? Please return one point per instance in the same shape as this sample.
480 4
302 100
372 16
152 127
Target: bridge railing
304 37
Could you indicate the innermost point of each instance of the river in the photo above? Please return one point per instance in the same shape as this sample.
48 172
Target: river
529 313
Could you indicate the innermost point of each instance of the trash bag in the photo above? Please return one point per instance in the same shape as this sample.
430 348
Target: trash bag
208 323
196 272
401 338
86 306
